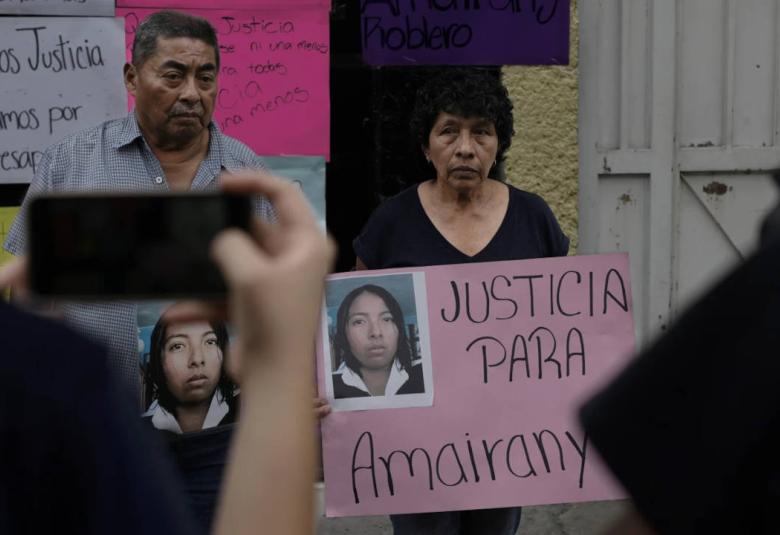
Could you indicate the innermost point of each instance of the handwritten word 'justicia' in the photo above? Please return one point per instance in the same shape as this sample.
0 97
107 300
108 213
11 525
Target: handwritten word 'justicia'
63 56
569 294
229 25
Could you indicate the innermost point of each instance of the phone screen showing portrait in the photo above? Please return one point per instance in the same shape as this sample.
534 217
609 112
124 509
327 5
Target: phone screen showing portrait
123 246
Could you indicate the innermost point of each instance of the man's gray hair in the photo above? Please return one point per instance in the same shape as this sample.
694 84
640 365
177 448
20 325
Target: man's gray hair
169 24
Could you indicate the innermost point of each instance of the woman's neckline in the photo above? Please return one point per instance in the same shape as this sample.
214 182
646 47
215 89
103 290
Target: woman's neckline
442 237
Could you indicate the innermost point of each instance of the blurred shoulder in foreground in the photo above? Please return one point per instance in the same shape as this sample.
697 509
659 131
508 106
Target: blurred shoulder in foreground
691 428
76 457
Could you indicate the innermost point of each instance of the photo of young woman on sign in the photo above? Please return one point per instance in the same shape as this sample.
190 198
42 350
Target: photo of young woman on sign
186 388
376 343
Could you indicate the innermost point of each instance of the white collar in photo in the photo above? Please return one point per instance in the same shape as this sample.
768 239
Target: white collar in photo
165 421
397 379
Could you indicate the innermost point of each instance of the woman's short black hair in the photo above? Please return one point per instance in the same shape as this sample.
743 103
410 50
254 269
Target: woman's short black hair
340 343
154 376
468 92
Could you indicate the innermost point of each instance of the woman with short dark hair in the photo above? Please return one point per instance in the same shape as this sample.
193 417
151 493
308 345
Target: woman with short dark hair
187 388
371 345
460 212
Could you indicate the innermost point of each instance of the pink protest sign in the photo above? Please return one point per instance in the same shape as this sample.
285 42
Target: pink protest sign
273 79
235 4
479 408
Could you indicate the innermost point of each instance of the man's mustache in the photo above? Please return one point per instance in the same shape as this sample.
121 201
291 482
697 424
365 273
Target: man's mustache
186 111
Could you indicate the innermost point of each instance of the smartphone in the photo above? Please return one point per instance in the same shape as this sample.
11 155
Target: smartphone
129 246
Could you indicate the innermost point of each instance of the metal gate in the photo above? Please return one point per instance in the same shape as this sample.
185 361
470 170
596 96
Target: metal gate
679 131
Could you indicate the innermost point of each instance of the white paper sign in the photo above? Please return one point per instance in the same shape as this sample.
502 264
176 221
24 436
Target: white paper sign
84 8
57 76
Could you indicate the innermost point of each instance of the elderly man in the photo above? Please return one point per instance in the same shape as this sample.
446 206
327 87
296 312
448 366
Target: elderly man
167 143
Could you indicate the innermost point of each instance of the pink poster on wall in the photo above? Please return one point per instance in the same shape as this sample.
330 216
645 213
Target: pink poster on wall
273 79
234 4
457 387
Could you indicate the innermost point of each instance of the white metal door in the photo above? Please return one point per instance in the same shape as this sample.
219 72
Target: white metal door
679 130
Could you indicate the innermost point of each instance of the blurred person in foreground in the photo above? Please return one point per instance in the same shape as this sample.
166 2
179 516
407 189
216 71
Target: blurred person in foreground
691 427
76 457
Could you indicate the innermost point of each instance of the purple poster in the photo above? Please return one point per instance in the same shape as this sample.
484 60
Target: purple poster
465 32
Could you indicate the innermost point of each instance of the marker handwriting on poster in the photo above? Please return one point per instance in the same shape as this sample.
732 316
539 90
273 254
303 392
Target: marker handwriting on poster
532 291
423 27
58 7
61 55
455 35
50 72
515 347
273 79
19 161
468 461
5 3
266 39
235 4
539 352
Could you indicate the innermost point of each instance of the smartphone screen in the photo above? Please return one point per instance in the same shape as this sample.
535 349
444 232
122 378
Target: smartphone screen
106 246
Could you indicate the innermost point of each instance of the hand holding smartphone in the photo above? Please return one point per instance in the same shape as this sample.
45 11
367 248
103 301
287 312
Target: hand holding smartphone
128 246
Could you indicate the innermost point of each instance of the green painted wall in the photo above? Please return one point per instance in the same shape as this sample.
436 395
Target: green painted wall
543 157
